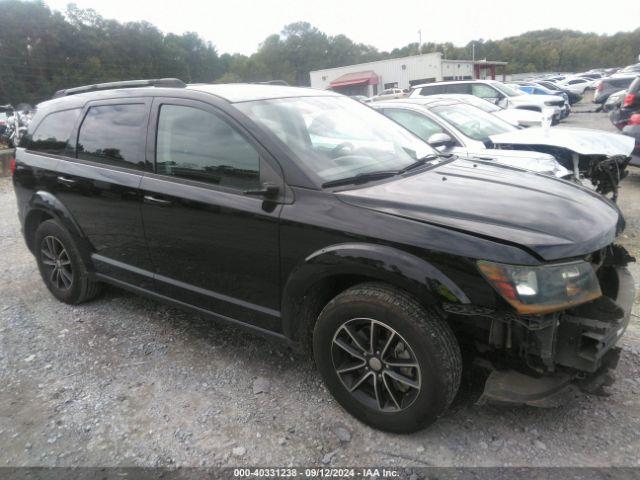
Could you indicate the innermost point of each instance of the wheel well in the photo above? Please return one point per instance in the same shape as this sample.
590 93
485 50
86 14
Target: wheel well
33 220
304 311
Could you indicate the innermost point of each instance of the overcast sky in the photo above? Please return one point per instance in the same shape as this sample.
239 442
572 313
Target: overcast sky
240 25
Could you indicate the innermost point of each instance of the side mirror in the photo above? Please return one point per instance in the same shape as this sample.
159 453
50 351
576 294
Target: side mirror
440 140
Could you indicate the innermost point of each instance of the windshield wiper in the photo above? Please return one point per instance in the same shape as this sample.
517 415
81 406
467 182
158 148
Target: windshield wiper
360 178
421 161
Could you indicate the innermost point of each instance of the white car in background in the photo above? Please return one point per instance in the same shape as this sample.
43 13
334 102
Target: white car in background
517 117
497 93
577 84
453 127
389 93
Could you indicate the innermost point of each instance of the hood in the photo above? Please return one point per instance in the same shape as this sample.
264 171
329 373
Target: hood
520 117
579 140
534 161
553 218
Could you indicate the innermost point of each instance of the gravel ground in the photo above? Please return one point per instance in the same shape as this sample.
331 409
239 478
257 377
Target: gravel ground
125 381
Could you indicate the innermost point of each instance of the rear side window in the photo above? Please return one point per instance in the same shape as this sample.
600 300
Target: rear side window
114 135
635 85
199 145
621 83
52 135
432 90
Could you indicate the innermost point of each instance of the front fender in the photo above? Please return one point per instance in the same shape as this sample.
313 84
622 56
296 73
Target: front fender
372 261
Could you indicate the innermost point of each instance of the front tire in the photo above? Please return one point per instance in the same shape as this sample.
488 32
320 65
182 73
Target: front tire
389 361
61 265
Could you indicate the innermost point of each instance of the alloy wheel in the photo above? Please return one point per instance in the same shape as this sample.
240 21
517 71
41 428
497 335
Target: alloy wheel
56 262
376 364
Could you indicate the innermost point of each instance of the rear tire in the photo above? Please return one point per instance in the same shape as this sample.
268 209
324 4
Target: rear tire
406 377
61 265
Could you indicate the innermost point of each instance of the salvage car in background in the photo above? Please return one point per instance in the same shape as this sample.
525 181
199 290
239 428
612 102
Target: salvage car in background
535 89
455 127
380 259
630 105
518 117
572 97
609 85
389 93
576 84
495 92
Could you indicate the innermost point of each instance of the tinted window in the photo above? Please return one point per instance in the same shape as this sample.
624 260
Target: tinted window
114 134
52 135
199 145
458 88
432 90
422 126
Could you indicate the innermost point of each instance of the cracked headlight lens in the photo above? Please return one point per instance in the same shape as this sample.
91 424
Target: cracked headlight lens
543 289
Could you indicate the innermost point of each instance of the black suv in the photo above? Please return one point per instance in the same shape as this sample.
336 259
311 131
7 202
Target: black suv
310 217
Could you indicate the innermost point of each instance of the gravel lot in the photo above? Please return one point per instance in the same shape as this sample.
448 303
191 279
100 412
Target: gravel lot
125 381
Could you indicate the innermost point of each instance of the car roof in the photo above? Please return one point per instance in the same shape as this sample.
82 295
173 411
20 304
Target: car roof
427 102
246 92
454 82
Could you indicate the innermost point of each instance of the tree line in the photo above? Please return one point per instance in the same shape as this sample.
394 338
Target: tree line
42 51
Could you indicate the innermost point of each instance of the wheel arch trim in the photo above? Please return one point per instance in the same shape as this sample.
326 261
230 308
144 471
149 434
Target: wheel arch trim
373 262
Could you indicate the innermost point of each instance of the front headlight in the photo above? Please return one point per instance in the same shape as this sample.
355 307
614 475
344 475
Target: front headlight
549 288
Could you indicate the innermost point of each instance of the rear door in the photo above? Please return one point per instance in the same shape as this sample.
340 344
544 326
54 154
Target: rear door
213 245
100 186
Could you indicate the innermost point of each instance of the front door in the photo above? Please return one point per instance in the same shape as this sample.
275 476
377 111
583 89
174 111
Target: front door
213 245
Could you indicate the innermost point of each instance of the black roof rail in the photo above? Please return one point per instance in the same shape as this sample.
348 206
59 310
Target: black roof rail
154 82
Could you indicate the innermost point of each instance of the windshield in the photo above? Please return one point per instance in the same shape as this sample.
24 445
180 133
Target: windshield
472 121
337 137
507 90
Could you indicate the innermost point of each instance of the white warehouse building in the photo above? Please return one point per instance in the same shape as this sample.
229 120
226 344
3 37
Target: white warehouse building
373 77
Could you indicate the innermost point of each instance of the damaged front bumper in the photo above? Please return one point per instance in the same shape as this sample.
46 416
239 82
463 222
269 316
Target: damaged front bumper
577 350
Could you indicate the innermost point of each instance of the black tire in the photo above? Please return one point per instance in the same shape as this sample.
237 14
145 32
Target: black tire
72 283
433 348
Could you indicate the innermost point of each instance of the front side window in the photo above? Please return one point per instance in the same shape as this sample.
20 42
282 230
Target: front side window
114 135
483 91
507 90
52 135
472 121
198 145
415 122
336 137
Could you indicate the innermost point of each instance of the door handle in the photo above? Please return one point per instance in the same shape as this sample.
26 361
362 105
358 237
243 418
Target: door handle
156 201
66 181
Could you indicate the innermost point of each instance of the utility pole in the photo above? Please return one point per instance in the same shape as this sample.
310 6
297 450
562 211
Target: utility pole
419 41
473 51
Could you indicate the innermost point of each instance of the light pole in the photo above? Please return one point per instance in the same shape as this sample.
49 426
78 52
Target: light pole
419 41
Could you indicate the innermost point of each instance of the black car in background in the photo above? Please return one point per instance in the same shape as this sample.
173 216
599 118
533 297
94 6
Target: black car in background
609 85
309 217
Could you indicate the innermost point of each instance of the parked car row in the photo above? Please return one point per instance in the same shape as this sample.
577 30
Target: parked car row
626 115
384 241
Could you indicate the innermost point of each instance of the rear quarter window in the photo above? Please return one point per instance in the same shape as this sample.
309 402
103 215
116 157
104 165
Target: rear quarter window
53 132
